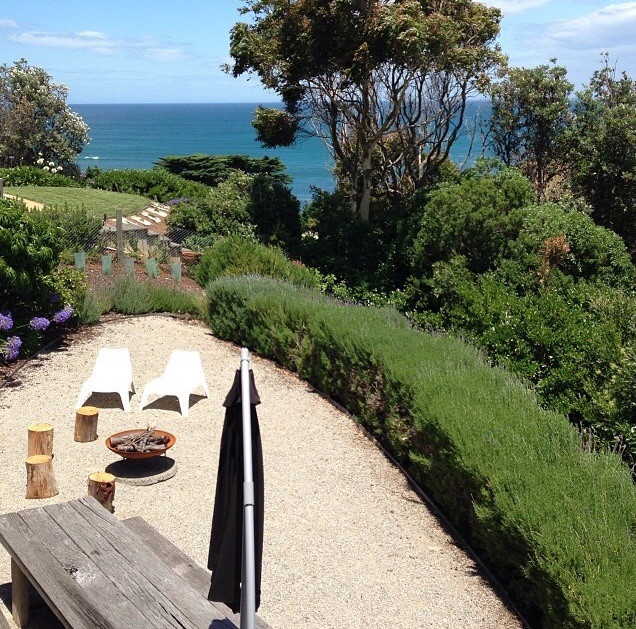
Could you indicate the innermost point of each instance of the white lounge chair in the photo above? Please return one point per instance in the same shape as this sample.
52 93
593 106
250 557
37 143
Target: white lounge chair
112 373
182 375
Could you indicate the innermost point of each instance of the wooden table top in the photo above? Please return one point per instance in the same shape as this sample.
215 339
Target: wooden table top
94 573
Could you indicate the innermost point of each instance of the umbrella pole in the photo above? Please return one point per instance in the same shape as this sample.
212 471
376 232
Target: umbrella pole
248 576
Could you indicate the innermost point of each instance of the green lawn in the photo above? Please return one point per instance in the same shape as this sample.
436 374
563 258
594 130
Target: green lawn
98 202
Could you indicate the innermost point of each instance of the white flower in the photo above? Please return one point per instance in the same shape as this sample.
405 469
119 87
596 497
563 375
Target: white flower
40 161
51 164
46 168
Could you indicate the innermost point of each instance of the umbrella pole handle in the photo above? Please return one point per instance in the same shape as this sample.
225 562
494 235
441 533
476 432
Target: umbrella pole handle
248 577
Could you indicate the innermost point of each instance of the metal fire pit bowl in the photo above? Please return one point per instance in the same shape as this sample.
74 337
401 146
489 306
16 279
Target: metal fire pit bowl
141 455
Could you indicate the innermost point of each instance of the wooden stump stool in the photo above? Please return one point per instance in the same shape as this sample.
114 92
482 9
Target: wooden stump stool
101 485
86 423
40 439
41 481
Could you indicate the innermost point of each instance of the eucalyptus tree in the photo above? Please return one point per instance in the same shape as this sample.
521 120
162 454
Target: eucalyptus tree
35 121
383 82
530 118
603 150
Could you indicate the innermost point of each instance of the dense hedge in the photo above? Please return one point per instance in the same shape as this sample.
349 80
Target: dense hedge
237 255
555 522
148 183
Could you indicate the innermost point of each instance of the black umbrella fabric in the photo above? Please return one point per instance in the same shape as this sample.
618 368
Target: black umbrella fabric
226 540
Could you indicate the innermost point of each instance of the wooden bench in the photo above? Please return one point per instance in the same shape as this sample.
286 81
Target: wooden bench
195 575
95 572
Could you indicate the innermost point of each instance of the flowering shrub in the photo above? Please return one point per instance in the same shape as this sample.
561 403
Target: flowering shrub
11 346
39 324
36 122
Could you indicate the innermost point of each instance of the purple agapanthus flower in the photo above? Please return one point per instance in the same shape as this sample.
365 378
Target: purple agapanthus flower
63 315
39 324
12 348
6 321
177 201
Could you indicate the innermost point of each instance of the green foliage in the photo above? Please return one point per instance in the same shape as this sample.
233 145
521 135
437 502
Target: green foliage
35 176
474 218
275 212
275 127
366 255
542 288
29 252
364 74
90 308
251 206
76 227
595 253
529 117
238 256
603 150
36 124
127 295
211 170
70 285
514 478
223 211
153 183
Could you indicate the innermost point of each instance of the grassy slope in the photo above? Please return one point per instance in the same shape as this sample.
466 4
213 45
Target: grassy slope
97 202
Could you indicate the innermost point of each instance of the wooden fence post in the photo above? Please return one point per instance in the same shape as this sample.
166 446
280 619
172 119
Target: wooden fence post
120 236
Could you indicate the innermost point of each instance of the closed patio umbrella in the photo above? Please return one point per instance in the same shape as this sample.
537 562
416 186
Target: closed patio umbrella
232 503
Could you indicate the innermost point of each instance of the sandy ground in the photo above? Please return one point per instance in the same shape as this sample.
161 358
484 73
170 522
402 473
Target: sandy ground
32 205
347 542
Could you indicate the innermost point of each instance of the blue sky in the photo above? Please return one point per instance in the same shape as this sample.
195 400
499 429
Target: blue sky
142 51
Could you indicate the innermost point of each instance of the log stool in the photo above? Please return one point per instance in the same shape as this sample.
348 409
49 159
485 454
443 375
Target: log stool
41 481
86 423
40 439
101 485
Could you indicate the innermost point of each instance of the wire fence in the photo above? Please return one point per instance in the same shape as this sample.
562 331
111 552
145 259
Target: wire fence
121 245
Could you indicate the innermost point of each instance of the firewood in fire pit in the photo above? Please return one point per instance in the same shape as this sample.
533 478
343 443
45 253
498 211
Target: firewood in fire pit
146 441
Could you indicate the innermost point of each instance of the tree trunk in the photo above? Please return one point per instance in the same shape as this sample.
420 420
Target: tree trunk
364 203
101 486
86 424
41 481
40 439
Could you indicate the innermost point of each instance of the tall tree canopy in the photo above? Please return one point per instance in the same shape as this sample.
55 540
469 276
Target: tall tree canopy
530 115
603 150
35 121
383 82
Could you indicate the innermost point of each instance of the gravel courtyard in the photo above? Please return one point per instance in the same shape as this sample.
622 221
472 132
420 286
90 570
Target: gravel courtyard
347 542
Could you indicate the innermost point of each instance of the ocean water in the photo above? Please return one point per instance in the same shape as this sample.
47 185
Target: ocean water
136 136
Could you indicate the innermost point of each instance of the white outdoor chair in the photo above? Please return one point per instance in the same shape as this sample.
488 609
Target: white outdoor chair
182 375
112 373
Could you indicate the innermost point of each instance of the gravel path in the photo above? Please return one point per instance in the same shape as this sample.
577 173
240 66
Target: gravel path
347 543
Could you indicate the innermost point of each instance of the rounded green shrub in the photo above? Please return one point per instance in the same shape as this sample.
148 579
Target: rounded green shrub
239 256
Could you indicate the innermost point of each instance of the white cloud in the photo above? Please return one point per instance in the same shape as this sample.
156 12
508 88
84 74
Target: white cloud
610 27
101 44
92 34
165 55
85 40
5 23
508 7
